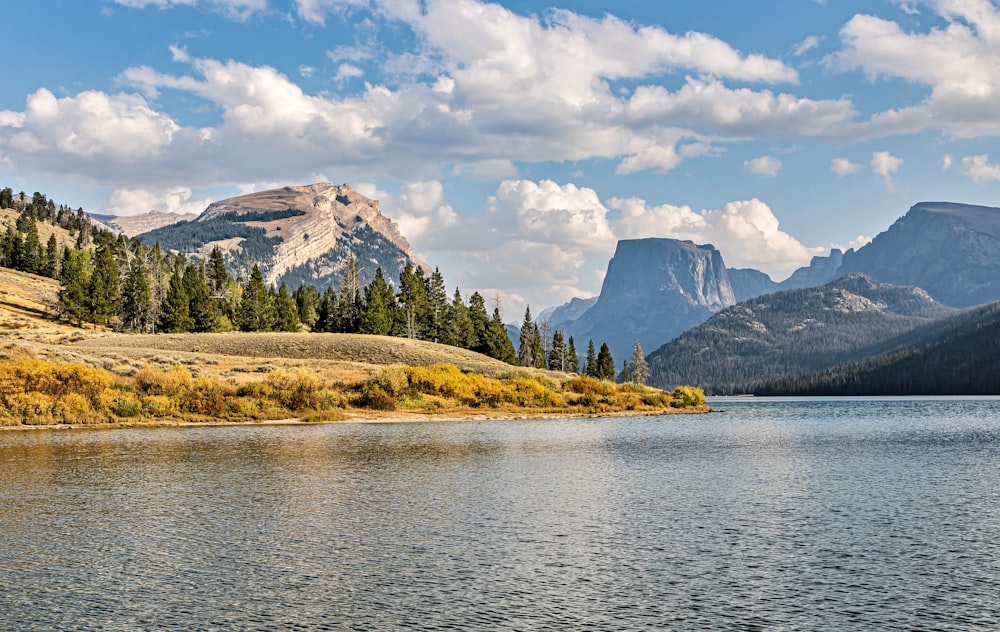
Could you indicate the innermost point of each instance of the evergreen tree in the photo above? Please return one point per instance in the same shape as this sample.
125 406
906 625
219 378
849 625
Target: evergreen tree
32 255
175 313
525 351
74 277
574 358
480 322
255 311
605 363
626 372
559 353
7 198
50 268
640 369
104 283
307 301
459 332
414 308
216 274
136 297
377 313
438 309
347 313
204 309
498 342
590 367
286 312
326 314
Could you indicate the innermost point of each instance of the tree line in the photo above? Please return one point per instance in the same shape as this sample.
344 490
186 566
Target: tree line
126 285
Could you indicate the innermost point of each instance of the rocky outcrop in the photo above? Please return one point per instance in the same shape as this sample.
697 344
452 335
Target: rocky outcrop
132 225
654 290
296 234
820 271
749 283
951 250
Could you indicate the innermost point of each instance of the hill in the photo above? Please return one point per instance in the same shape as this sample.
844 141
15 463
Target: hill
959 355
792 332
294 234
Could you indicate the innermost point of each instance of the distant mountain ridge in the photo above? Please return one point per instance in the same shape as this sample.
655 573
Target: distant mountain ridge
792 332
295 235
132 225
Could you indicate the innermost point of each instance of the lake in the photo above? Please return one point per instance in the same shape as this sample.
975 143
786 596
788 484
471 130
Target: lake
826 514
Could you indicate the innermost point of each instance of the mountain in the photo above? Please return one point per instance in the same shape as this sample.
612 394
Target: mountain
959 355
820 271
654 290
295 234
132 225
559 316
951 250
792 332
748 283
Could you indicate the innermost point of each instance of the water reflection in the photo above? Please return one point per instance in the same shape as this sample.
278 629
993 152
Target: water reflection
803 514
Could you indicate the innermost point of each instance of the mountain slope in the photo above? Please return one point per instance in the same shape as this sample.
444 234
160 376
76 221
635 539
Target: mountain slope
951 250
792 332
294 234
959 355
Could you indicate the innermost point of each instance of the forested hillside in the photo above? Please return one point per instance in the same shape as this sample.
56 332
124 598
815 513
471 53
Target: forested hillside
959 355
792 332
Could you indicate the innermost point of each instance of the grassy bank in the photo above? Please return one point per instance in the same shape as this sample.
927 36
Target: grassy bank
38 392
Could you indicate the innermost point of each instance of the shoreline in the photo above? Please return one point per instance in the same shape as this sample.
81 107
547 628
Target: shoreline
390 418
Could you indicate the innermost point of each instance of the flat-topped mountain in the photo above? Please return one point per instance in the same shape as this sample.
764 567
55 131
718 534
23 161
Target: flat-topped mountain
653 291
295 234
132 225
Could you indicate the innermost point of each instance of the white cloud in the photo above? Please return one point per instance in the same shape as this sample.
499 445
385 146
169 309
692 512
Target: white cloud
746 232
348 71
235 9
959 62
806 45
487 169
565 215
418 208
843 167
946 162
886 165
307 71
179 200
979 169
766 166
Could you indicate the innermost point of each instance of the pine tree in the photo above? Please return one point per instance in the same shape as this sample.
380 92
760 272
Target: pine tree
286 312
255 311
626 372
51 266
438 308
74 277
307 301
136 297
559 353
414 308
498 342
326 313
640 369
204 309
525 351
377 313
605 363
590 368
574 358
480 323
32 255
346 315
460 331
104 283
175 314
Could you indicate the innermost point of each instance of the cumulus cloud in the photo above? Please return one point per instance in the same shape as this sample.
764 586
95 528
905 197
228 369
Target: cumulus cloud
766 166
419 208
179 200
886 165
958 62
746 232
979 169
348 71
844 167
565 215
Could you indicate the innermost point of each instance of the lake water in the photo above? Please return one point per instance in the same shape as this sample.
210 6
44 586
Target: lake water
774 515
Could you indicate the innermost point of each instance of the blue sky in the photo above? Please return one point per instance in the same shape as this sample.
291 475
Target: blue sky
516 143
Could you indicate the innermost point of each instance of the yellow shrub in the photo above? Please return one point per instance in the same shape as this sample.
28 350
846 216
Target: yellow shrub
72 408
392 380
173 381
32 407
52 378
158 405
529 393
206 397
588 385
296 390
120 403
687 397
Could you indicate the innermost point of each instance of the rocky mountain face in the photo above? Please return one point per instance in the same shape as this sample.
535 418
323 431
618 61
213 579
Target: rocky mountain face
132 225
950 250
295 234
749 283
820 271
653 291
557 317
791 332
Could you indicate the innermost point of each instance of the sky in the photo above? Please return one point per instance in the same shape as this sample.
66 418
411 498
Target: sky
516 142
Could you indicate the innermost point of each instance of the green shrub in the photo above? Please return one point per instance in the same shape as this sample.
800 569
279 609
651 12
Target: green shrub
375 398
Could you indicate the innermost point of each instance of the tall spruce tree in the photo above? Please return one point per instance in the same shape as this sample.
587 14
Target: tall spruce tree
480 323
136 297
104 285
414 308
286 312
378 311
590 368
203 308
574 358
498 342
74 277
438 308
605 363
459 331
51 266
175 313
526 349
255 311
